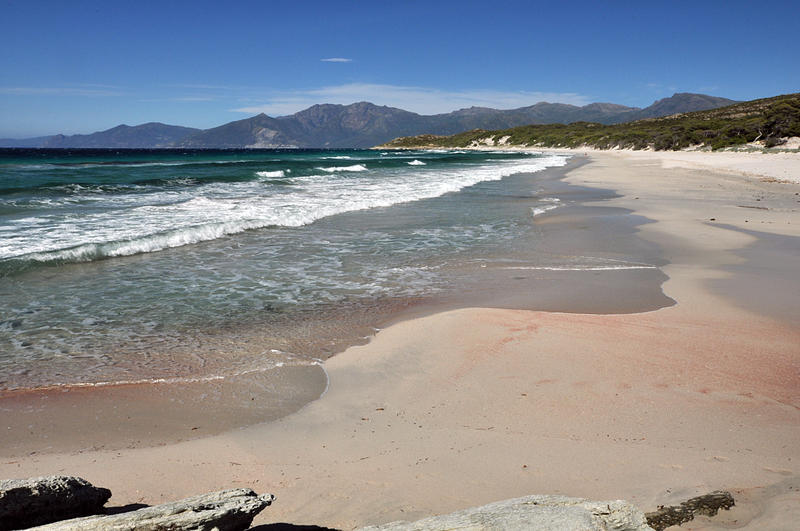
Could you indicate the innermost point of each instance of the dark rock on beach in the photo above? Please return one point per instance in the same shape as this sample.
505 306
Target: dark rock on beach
35 501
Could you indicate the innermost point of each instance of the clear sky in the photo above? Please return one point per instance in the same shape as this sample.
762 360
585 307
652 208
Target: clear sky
83 66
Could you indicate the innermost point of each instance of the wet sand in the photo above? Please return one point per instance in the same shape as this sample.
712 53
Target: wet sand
474 405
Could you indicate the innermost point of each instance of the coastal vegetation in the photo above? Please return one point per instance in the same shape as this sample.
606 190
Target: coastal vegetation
770 120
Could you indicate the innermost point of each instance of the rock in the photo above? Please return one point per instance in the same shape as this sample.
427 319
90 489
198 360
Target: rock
35 501
708 505
531 513
226 510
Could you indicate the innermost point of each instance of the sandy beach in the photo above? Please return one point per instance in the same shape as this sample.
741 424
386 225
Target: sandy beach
474 405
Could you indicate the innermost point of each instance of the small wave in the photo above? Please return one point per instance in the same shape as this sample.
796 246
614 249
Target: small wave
583 267
338 157
172 380
277 173
181 181
157 242
354 167
536 211
416 162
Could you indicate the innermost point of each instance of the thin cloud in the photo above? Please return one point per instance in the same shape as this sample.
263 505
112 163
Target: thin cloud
63 91
421 100
337 60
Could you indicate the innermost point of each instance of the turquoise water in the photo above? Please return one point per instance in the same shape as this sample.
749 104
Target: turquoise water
120 266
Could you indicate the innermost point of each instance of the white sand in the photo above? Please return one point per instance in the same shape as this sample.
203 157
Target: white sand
778 165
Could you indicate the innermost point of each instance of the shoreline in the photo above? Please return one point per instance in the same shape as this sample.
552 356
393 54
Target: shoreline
474 405
76 418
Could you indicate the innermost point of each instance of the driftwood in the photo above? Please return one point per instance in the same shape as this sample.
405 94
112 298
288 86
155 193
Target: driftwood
708 505
226 510
36 501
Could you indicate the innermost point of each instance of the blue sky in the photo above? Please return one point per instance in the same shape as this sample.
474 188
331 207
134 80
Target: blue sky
82 66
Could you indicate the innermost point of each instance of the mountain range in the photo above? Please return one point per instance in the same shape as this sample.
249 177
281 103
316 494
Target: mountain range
361 125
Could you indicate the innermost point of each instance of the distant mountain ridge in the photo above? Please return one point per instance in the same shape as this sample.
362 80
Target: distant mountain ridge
362 124
149 135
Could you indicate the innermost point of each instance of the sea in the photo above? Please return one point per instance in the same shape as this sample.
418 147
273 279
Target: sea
159 266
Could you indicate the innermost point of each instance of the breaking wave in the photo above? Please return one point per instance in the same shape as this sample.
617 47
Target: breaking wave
354 167
123 224
277 173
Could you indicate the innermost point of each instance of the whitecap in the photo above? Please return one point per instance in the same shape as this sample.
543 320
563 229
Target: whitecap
416 162
273 174
354 167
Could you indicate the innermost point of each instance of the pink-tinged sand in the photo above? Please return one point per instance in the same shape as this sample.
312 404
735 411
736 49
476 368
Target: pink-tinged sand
476 405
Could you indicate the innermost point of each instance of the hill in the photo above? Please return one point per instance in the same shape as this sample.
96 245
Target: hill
149 135
768 119
359 125
331 126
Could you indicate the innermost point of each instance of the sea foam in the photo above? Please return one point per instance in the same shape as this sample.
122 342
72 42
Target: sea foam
354 167
277 173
